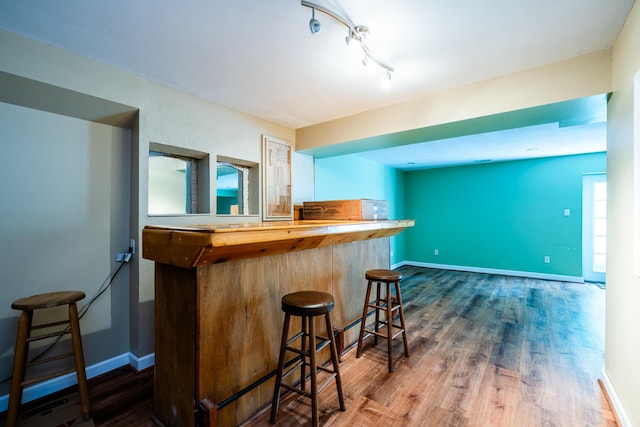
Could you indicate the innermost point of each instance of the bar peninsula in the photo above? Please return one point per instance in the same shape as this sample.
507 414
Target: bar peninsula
217 305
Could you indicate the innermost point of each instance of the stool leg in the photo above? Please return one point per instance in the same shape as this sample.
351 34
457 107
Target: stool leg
377 324
79 360
334 359
314 370
19 366
363 322
389 315
401 312
276 389
303 348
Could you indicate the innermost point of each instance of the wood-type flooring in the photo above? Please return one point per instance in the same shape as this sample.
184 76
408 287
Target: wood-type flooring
486 350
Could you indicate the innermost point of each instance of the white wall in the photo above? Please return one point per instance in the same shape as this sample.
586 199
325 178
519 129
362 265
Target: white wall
622 361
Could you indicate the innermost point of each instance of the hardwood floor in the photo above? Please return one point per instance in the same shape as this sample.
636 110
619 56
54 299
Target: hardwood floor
486 350
122 398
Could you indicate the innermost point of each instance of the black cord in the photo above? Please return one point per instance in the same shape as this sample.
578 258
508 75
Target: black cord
101 290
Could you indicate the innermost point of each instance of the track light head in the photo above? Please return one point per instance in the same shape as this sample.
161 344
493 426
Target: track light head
314 24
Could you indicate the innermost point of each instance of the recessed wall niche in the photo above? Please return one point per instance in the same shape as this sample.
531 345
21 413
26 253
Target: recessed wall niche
178 181
237 187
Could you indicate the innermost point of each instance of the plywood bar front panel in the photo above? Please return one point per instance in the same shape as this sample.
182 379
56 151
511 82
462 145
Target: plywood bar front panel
218 325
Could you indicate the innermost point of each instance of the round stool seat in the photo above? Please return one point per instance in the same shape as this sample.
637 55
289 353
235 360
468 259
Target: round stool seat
383 275
307 303
51 299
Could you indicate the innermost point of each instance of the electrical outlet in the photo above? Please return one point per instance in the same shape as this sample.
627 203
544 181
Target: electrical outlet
547 259
132 246
436 252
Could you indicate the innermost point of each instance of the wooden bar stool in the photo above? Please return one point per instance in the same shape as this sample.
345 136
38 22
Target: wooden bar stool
390 306
24 337
307 305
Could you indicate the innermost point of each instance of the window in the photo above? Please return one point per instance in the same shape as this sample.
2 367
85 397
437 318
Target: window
237 187
178 181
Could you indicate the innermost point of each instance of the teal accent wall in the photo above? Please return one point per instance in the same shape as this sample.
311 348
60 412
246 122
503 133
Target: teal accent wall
354 177
223 203
506 215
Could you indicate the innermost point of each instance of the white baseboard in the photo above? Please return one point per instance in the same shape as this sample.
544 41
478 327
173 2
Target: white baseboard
621 414
140 363
45 388
544 276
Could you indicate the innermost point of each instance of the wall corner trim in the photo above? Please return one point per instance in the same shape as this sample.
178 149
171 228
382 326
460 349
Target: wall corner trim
140 363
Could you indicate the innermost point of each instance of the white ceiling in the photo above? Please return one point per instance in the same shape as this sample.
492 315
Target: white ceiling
259 56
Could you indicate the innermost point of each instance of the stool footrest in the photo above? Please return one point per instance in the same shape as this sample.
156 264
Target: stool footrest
324 385
381 324
322 343
46 377
382 335
51 335
394 307
48 325
296 390
49 359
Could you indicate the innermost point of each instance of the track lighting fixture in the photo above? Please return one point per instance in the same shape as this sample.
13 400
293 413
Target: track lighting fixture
356 37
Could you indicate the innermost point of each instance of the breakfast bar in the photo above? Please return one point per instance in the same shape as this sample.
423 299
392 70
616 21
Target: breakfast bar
217 305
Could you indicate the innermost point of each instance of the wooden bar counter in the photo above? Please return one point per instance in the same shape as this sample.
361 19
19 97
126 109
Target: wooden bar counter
217 305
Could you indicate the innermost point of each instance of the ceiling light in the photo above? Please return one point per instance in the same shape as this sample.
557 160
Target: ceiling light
353 45
356 36
314 24
353 40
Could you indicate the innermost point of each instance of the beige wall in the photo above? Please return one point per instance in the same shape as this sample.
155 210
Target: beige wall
166 116
64 209
622 365
575 78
